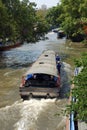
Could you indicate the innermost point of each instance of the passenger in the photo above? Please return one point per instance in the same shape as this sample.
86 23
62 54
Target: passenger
39 76
29 76
59 66
27 80
58 82
52 77
55 81
57 58
55 78
23 81
52 81
46 77
34 76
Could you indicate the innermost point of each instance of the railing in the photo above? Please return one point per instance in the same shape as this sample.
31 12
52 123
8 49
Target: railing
74 123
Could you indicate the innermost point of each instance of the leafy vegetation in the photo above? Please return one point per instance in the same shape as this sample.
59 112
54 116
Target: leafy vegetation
18 19
72 17
53 15
21 19
80 90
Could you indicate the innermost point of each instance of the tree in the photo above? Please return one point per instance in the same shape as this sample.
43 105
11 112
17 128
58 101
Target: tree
18 19
73 11
5 27
7 21
53 15
70 14
26 19
42 25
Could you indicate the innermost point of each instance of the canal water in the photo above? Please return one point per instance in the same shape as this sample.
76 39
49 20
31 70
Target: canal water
35 114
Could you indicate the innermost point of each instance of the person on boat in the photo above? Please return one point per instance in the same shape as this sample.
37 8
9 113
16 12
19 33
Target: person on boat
1 42
27 80
57 58
56 80
34 76
58 66
29 76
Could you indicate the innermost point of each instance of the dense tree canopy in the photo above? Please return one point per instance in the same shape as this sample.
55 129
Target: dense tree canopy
18 19
21 18
53 15
42 24
71 15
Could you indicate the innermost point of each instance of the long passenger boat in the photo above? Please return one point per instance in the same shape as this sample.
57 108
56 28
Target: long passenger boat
42 79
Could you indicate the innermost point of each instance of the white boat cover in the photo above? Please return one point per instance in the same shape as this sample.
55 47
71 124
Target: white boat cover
45 64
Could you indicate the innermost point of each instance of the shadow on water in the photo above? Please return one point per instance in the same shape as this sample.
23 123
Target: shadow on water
66 74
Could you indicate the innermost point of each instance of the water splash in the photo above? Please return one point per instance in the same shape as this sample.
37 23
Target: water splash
32 115
30 112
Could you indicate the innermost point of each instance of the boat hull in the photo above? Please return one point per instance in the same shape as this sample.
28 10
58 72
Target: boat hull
42 79
39 92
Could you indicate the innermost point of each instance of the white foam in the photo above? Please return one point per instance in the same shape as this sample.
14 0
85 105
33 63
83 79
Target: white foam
30 112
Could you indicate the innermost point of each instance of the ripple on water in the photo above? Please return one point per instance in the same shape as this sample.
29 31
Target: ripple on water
32 115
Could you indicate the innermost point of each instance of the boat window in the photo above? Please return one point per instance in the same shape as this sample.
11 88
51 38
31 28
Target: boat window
46 55
41 62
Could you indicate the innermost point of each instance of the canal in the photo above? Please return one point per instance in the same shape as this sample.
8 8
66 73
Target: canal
42 114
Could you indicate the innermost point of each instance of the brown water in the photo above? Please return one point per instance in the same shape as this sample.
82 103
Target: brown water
33 114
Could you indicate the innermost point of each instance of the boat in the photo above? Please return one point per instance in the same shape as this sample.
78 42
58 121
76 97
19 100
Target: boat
42 79
9 46
55 30
60 34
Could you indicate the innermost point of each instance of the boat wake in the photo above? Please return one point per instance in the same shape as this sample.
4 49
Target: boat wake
38 114
32 115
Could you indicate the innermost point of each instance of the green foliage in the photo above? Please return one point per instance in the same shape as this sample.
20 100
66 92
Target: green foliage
73 15
18 19
53 15
70 14
42 25
3 19
80 90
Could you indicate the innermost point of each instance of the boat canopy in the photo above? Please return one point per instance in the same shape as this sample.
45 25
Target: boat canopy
45 64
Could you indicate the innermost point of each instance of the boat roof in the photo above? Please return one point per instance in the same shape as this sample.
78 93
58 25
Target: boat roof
61 31
45 64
